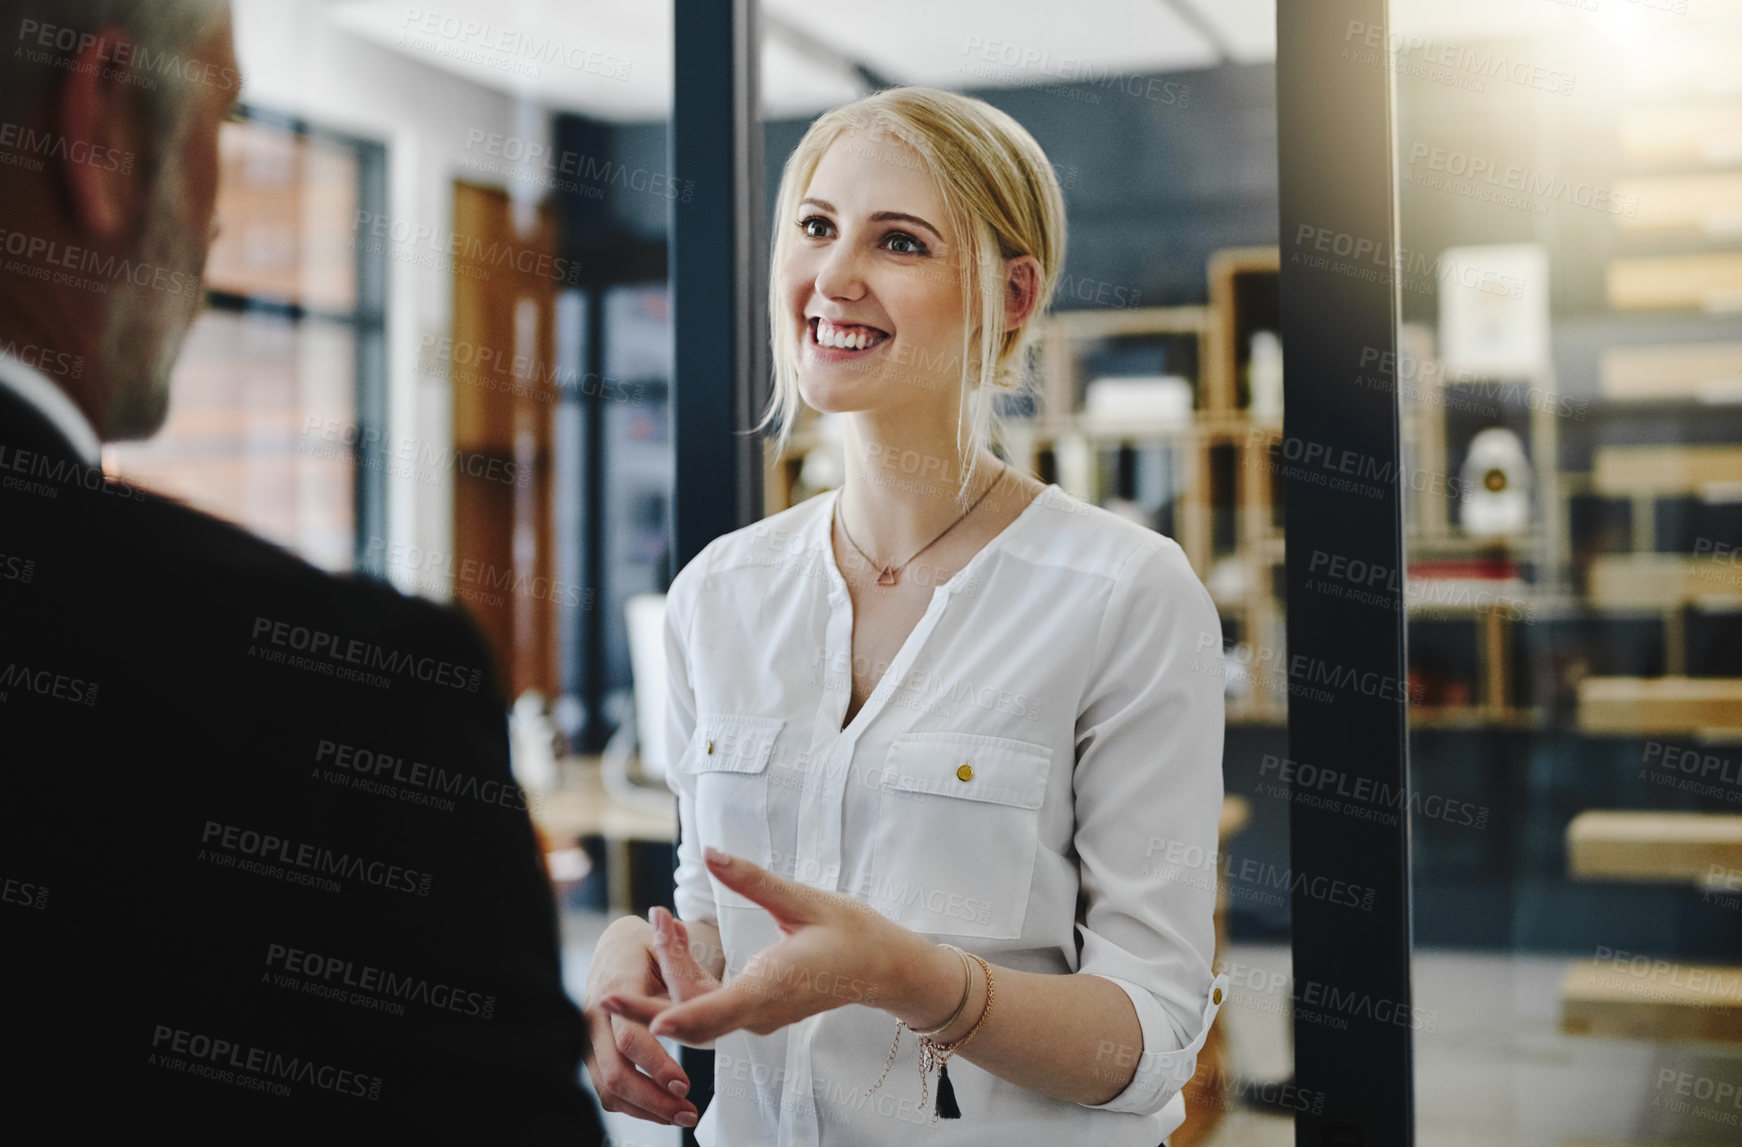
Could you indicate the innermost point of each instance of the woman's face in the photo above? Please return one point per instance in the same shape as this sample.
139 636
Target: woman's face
872 282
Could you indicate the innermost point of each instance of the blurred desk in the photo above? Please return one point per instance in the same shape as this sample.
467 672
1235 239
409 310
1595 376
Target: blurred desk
580 807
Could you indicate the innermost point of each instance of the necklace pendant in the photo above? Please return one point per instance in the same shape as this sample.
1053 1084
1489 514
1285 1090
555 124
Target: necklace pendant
887 576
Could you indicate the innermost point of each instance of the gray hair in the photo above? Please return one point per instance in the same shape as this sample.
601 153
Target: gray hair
41 36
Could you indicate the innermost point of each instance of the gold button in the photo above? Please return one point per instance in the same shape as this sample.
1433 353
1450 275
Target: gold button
965 773
1216 996
710 749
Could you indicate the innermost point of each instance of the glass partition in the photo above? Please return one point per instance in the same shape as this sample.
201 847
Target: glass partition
1569 183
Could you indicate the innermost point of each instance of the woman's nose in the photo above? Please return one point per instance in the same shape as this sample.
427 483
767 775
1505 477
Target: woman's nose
841 275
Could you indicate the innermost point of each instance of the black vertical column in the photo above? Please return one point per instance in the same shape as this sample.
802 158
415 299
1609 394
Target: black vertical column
718 273
1346 671
593 478
719 314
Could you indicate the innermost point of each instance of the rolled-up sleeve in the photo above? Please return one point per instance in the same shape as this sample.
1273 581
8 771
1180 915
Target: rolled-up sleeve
1148 790
694 893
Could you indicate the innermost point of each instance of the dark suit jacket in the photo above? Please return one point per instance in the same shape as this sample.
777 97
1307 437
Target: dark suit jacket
264 875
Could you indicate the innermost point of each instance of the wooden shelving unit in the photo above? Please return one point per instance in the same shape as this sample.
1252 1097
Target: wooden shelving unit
1494 607
1223 494
1676 255
1678 251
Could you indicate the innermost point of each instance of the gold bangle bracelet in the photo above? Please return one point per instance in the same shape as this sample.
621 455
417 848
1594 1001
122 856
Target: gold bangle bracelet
967 990
950 1049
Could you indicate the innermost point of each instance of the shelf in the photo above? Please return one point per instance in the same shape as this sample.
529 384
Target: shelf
1644 706
1454 598
1656 847
1665 1002
1433 547
1060 335
1655 471
1544 607
1132 430
1661 581
1696 282
1451 717
1703 204
1695 132
1475 717
1698 372
1249 714
1201 426
1641 1143
1129 322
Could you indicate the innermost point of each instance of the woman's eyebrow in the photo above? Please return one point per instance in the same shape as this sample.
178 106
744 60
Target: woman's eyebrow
898 217
879 217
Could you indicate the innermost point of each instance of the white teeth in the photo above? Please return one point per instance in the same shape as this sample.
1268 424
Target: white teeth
828 335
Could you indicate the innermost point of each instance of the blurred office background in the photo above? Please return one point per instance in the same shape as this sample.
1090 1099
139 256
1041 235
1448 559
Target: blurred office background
439 352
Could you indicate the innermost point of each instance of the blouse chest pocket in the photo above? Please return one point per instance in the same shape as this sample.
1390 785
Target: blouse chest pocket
728 756
957 830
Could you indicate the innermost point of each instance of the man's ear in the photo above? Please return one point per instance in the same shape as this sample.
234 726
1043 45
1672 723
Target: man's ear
1022 290
99 117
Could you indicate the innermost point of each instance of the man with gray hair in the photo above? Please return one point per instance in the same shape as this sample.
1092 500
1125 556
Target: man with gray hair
265 875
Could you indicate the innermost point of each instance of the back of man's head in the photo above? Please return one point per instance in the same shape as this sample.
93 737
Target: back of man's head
118 103
41 37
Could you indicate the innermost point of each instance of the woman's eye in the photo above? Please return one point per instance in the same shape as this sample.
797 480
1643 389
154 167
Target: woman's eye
913 246
814 227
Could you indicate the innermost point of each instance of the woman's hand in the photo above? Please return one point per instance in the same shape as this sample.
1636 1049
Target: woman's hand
836 950
631 1071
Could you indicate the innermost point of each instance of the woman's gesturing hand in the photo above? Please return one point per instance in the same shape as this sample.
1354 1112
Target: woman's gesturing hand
835 951
631 1071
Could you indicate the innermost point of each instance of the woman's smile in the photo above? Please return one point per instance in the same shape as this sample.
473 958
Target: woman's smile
829 341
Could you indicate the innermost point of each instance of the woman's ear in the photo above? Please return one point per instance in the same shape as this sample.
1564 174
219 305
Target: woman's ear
1022 290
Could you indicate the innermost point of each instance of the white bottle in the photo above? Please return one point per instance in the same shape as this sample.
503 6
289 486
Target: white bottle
532 744
1264 375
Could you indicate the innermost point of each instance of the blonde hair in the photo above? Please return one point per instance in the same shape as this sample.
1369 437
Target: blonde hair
1002 199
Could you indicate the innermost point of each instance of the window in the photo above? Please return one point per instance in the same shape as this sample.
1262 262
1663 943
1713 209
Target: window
272 403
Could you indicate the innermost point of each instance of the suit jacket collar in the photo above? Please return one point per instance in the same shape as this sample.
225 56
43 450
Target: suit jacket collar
30 399
24 427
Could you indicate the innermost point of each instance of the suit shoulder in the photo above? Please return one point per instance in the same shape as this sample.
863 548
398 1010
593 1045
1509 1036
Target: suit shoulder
191 559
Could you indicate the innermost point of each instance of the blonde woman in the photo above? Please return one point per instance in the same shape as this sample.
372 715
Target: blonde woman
941 735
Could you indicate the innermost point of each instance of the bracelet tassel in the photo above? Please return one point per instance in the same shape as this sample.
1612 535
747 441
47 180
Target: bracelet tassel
947 1108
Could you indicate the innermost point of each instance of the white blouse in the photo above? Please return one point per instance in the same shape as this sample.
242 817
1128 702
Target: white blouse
1047 738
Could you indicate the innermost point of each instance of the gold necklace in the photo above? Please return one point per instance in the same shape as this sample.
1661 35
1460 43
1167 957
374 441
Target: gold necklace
888 575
